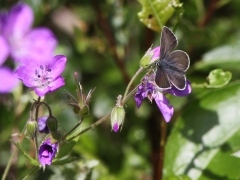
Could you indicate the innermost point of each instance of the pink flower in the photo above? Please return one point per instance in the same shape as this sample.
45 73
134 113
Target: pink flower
43 77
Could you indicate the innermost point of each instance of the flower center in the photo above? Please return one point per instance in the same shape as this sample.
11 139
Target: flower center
43 76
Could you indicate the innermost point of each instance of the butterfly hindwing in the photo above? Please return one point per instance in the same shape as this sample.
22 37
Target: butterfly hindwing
179 59
178 79
168 42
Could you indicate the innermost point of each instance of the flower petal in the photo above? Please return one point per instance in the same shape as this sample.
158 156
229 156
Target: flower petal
115 127
57 83
156 54
138 96
42 124
47 152
176 92
38 45
57 65
8 80
4 50
26 74
41 91
19 21
163 105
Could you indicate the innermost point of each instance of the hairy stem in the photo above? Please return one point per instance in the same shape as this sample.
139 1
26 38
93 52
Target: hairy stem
130 83
103 118
34 170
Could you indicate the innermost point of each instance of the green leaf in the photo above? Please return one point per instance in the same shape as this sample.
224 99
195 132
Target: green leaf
29 158
236 154
225 57
180 177
65 148
155 13
219 78
205 136
67 145
65 160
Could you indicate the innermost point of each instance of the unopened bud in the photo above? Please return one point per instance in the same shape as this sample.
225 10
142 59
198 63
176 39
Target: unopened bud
150 57
84 111
32 128
117 117
52 123
56 135
76 110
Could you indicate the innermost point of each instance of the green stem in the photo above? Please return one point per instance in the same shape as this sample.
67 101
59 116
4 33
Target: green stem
130 94
75 127
130 83
49 109
90 127
36 147
104 118
34 170
9 164
23 132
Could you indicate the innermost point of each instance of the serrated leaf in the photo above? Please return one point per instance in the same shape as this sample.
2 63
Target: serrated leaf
218 78
29 158
205 136
155 13
65 160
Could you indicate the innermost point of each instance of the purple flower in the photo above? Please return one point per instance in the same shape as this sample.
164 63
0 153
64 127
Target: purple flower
43 77
23 42
156 54
47 152
149 89
42 124
8 79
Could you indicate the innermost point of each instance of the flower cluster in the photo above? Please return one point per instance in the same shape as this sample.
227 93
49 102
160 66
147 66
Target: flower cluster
149 89
31 47
32 52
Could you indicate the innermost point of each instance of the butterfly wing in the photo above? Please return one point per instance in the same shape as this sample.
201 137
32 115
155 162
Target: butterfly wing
178 63
179 59
168 42
161 78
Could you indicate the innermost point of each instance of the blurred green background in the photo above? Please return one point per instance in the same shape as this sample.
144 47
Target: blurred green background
104 41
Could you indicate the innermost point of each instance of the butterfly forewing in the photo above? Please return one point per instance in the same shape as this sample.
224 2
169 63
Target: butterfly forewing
161 78
168 42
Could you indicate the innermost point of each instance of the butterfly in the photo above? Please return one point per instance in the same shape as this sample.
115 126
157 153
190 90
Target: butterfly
172 66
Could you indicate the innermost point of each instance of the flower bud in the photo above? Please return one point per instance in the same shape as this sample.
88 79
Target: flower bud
56 135
52 123
84 111
76 110
117 117
32 127
150 57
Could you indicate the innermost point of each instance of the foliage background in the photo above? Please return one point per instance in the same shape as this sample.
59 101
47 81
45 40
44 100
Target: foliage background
104 41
